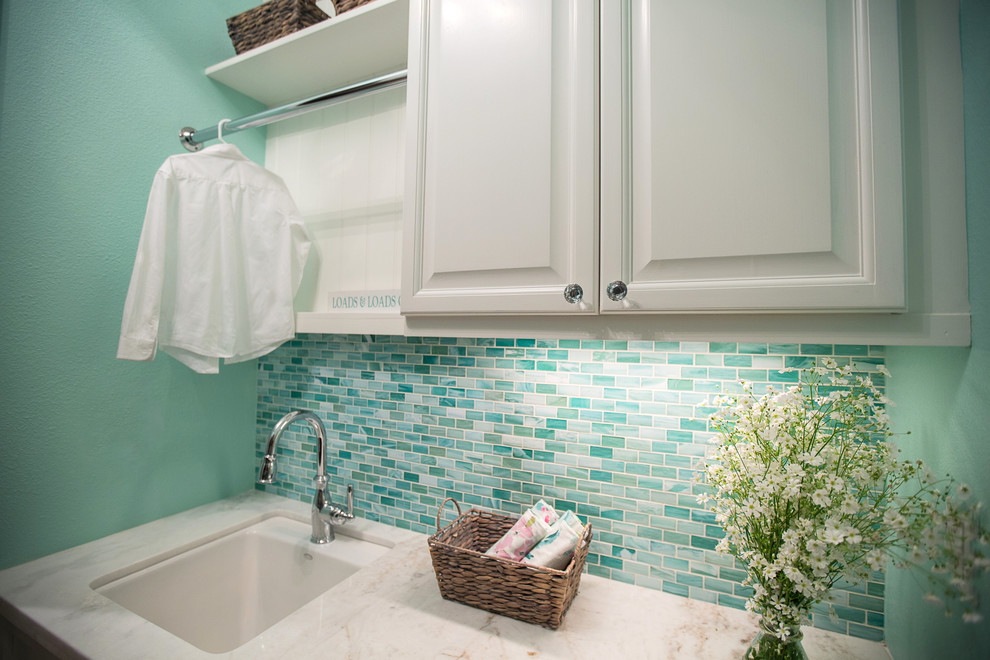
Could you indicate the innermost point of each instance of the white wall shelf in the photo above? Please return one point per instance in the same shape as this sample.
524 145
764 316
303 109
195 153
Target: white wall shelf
357 45
336 324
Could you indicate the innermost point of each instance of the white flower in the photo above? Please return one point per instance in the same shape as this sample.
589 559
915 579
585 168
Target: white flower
819 565
793 574
959 583
834 534
816 547
751 509
820 497
892 518
972 617
875 559
834 482
849 507
860 474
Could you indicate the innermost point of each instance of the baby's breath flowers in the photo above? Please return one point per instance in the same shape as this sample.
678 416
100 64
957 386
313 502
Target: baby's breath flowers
809 489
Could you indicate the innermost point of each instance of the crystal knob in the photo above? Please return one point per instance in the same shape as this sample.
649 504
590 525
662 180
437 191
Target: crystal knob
573 293
617 290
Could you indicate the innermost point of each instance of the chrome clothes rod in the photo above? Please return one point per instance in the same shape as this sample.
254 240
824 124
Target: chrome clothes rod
193 139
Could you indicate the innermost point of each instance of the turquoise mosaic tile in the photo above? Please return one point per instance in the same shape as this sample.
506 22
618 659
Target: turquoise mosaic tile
609 429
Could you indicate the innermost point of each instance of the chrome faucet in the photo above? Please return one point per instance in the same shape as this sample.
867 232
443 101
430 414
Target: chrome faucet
324 514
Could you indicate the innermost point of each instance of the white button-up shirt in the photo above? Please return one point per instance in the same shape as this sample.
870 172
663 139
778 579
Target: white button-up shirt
219 261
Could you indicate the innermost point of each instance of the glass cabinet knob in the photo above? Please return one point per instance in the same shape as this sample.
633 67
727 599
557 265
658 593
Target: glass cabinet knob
617 290
573 293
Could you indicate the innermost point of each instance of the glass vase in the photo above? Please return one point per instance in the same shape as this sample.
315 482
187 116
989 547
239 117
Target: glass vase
768 646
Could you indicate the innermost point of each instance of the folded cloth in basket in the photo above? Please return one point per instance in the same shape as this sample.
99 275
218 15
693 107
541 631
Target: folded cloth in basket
557 548
529 530
545 512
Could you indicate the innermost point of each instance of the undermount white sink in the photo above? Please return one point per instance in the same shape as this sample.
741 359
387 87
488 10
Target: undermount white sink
221 592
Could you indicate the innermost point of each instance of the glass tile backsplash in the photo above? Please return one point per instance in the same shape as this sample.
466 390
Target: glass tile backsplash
609 429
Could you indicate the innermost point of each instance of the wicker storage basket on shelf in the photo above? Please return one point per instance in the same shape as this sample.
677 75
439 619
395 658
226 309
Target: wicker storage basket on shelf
346 5
465 574
271 21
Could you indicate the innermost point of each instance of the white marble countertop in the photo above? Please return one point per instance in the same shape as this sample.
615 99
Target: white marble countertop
389 609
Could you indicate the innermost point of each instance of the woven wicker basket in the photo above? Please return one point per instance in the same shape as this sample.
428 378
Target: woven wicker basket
346 5
271 21
529 593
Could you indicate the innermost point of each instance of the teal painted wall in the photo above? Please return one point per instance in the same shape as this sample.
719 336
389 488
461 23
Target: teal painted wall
92 95
943 395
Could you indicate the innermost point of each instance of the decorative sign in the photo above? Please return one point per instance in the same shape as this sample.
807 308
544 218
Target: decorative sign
364 302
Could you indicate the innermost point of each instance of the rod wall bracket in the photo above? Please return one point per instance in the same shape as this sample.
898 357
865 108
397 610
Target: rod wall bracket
187 136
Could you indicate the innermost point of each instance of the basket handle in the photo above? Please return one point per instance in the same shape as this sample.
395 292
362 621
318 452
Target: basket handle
440 510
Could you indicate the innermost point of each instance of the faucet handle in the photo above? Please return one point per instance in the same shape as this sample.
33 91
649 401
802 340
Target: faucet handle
339 516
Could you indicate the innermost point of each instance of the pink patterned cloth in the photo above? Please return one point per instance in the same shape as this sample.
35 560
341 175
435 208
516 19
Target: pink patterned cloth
529 530
544 512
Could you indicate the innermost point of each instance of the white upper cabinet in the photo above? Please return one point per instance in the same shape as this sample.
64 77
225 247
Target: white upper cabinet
748 156
751 155
501 201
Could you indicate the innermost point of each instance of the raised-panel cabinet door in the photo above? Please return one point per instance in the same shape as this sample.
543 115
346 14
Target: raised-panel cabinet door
751 155
501 205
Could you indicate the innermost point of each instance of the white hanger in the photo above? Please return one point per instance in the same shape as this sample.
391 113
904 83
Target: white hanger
220 130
